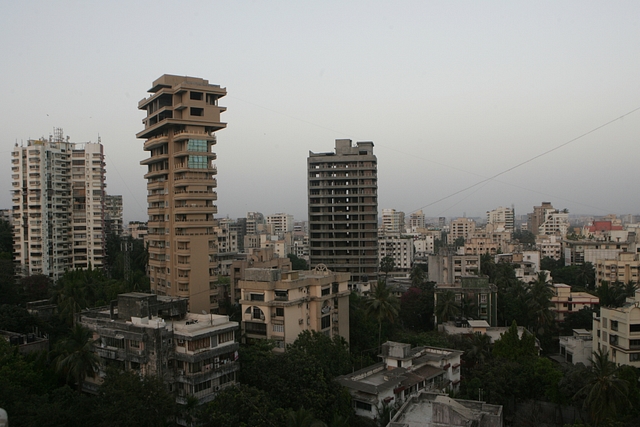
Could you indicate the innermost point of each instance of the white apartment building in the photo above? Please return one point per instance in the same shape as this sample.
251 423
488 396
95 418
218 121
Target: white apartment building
393 221
501 218
549 246
282 222
400 249
424 246
555 222
617 331
58 194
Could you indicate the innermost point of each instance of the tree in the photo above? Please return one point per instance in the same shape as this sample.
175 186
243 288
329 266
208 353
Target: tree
387 265
241 405
582 319
381 305
606 394
298 263
303 418
539 297
127 399
446 306
36 287
479 349
332 354
513 347
416 308
76 359
417 276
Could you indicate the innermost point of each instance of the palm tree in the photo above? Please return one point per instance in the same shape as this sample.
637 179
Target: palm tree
381 305
387 264
446 306
480 349
539 297
606 393
76 359
416 276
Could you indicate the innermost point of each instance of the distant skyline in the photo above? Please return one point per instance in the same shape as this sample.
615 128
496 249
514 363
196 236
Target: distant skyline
450 93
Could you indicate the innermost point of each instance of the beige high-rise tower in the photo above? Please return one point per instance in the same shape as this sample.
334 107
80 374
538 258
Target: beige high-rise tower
179 131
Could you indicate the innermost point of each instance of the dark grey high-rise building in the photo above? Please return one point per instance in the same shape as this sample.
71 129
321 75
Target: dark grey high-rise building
343 209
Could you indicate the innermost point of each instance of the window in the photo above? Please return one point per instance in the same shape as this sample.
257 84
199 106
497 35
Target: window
326 322
278 328
197 145
335 287
363 406
198 162
199 344
634 357
199 112
202 386
483 298
225 337
227 378
326 291
279 311
256 297
614 325
634 328
257 313
569 357
197 96
255 328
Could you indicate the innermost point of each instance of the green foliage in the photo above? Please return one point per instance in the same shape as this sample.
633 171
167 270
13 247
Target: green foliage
606 394
512 347
303 418
9 290
242 406
6 239
582 319
76 359
18 319
416 308
387 265
446 306
615 294
524 236
126 399
479 350
362 332
332 354
298 263
36 287
382 305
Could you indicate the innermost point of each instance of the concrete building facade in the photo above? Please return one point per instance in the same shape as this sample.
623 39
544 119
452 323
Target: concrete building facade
194 354
617 331
502 219
113 215
398 248
343 210
279 305
623 269
58 199
182 116
393 221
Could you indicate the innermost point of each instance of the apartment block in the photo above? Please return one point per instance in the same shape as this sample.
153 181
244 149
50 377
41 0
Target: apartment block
182 116
343 210
113 215
446 267
393 221
501 219
279 305
58 199
193 354
624 268
255 258
400 249
475 295
565 302
617 332
282 223
537 217
577 348
417 221
461 227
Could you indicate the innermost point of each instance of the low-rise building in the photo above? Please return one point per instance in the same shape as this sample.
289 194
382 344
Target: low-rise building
279 305
449 268
402 373
477 298
26 343
194 354
565 302
577 348
436 409
617 331
255 258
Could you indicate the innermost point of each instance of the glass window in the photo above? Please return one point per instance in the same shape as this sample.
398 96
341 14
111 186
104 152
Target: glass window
197 145
198 162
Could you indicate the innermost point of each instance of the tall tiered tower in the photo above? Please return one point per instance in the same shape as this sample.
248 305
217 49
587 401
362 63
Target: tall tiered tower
179 131
343 209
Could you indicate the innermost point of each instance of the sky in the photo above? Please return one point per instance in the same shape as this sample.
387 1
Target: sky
471 105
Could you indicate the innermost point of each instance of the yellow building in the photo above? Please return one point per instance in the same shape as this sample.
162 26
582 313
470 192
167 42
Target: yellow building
617 331
279 305
566 302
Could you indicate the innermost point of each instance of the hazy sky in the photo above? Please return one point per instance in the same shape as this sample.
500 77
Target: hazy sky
450 92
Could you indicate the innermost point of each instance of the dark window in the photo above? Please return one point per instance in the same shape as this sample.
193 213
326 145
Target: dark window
326 322
255 328
335 287
362 405
279 311
196 95
197 111
257 297
326 291
614 325
634 328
